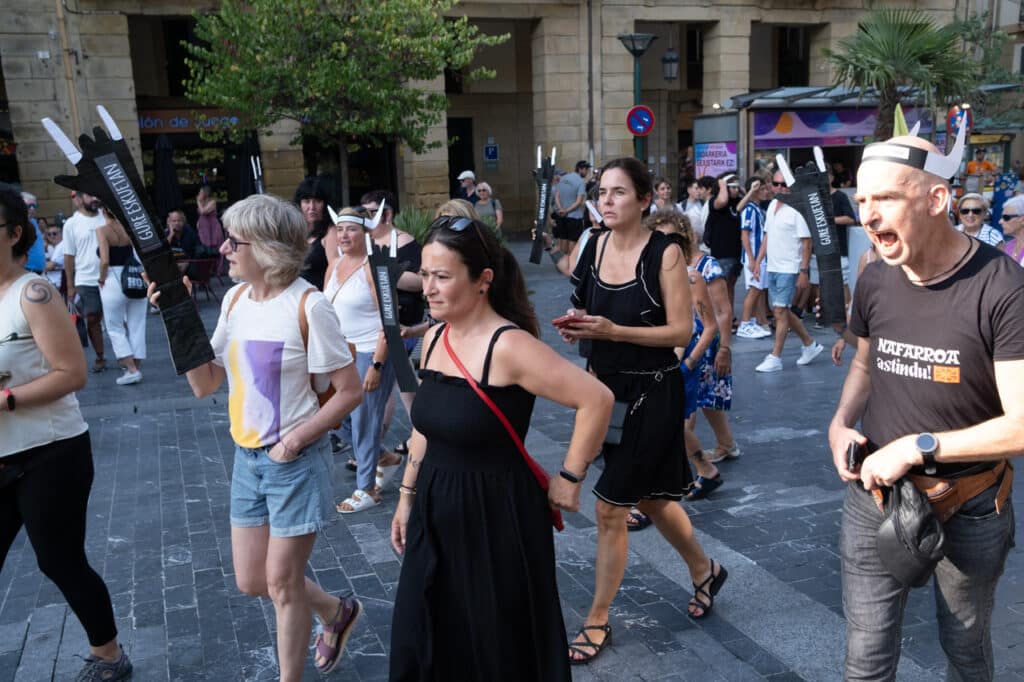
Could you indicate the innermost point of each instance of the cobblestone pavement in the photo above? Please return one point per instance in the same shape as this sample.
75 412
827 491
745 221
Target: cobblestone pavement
159 535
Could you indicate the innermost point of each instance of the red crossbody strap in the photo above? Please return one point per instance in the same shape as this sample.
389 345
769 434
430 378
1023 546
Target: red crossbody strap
538 471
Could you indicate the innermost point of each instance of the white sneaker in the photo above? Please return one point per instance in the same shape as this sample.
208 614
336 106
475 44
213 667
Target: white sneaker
129 378
761 332
809 353
747 330
769 364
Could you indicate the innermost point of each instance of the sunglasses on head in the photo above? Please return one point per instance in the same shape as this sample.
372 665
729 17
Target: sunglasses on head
458 224
972 211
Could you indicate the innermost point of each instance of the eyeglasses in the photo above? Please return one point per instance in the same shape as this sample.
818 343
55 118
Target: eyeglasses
1008 217
778 184
972 211
52 233
33 206
460 224
234 243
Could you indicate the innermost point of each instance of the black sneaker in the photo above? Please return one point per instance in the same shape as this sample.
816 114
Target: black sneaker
98 670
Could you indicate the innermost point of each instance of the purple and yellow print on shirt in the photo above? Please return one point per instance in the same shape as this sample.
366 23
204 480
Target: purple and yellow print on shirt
254 405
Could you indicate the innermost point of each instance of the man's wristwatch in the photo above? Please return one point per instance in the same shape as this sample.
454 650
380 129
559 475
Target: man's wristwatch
377 365
927 444
805 271
9 397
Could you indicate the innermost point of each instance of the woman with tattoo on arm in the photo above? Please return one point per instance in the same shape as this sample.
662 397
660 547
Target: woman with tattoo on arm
633 301
46 468
477 598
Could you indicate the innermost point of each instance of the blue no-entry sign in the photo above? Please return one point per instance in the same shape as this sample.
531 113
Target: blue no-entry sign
640 120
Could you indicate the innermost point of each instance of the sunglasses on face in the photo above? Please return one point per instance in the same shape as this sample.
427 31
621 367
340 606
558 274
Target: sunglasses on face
53 233
235 243
778 184
972 211
1008 217
32 206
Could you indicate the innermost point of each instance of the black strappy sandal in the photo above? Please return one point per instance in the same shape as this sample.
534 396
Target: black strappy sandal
709 588
578 647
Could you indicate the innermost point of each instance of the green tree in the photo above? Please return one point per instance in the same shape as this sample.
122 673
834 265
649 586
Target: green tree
344 69
896 50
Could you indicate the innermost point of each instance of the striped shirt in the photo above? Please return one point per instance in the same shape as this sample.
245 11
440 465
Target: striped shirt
752 220
986 234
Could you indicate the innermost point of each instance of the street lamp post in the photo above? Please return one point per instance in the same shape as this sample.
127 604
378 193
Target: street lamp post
636 44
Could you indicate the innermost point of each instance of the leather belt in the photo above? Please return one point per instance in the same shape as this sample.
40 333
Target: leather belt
948 495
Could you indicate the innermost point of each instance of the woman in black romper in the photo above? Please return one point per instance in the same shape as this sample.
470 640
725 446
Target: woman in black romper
477 598
632 299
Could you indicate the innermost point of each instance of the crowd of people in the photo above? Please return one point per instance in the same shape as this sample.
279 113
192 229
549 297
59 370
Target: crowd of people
310 375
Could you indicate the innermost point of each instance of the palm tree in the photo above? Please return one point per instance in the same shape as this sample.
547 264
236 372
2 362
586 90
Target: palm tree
896 50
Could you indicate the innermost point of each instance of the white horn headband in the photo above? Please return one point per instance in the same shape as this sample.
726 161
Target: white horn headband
942 165
367 223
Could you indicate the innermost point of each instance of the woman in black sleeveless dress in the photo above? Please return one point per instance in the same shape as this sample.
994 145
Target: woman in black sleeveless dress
632 298
477 598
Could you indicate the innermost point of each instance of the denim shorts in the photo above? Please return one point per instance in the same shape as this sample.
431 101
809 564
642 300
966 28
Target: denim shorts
293 498
781 289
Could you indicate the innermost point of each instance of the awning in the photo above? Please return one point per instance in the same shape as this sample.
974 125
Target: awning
834 97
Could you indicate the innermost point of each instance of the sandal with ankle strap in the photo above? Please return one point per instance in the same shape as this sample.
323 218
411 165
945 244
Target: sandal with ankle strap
349 610
578 647
709 587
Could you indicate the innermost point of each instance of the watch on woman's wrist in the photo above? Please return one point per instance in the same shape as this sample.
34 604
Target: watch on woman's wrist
9 399
377 365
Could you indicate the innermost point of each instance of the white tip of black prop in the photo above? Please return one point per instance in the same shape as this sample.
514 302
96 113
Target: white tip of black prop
377 216
108 122
787 174
595 216
819 159
63 141
553 150
916 129
335 218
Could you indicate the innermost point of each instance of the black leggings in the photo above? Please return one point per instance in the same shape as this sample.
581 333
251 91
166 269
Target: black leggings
50 498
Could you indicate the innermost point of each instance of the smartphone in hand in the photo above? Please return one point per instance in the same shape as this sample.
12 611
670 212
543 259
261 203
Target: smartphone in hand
854 457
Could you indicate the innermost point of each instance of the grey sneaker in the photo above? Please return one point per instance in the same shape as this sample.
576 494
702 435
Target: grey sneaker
98 670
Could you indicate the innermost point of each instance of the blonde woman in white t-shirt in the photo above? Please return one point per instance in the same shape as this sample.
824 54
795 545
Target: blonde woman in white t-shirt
281 485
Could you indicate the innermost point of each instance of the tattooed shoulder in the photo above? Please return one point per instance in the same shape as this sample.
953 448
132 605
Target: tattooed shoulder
39 292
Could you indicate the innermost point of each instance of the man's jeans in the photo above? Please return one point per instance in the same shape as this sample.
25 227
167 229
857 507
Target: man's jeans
977 542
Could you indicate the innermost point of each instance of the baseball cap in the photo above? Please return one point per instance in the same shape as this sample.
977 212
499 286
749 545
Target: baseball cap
583 164
559 171
467 175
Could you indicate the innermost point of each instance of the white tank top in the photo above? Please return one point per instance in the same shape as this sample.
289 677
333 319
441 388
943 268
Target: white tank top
29 427
356 308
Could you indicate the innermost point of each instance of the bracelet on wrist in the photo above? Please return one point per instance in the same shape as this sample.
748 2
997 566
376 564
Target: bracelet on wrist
571 477
406 490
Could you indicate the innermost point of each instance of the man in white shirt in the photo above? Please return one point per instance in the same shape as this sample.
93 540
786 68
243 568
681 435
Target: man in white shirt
788 261
82 267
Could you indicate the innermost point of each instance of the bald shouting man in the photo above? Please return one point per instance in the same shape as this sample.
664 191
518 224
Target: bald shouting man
938 388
